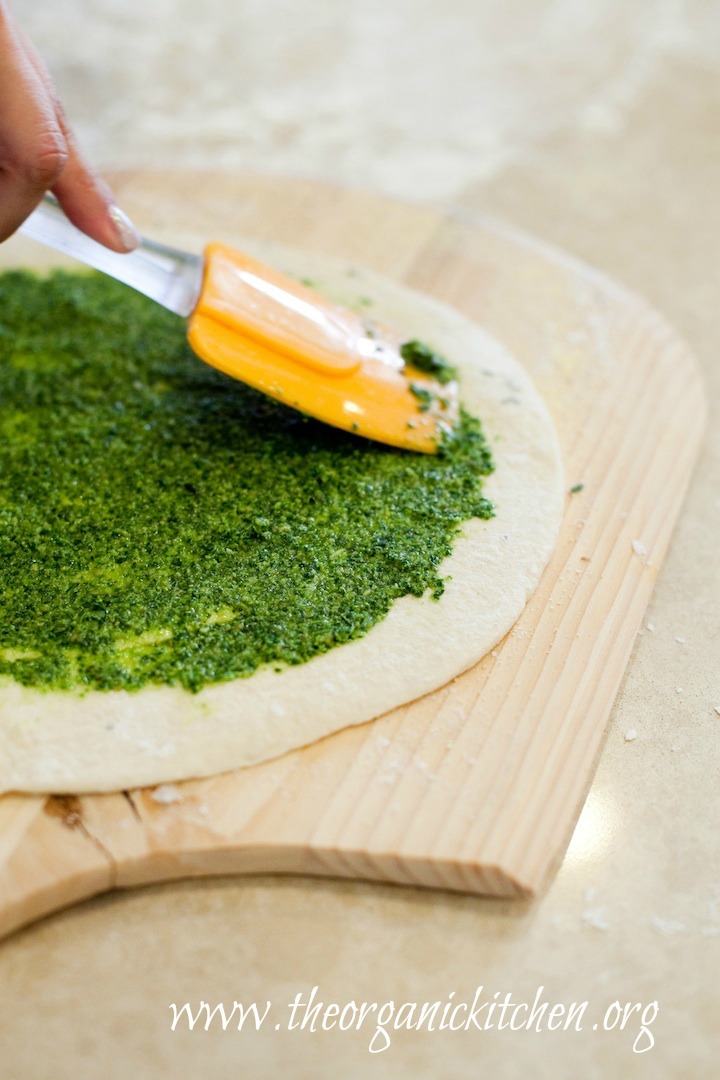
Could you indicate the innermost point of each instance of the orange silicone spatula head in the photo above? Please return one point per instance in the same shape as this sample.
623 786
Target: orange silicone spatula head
288 341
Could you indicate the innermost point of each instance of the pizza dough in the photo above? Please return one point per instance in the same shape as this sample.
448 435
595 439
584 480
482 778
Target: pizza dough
106 741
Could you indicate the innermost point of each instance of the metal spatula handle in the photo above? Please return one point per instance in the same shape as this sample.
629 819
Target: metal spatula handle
170 277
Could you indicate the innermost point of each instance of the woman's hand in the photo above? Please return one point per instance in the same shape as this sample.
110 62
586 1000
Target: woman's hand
39 152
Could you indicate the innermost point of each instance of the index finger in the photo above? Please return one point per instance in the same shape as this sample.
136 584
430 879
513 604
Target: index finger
33 149
85 197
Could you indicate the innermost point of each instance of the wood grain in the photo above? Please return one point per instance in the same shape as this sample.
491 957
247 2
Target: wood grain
476 787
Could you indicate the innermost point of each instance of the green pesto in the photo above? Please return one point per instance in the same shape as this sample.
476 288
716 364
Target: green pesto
162 523
424 396
425 359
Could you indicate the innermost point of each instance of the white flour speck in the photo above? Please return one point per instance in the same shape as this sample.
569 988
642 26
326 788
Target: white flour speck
666 927
166 794
595 918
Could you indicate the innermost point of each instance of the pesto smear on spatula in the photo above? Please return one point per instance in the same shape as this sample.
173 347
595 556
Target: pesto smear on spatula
162 523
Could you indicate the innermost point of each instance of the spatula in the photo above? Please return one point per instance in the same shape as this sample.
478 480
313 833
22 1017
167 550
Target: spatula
276 334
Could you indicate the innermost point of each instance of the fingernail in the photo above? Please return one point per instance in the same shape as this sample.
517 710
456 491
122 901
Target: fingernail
125 231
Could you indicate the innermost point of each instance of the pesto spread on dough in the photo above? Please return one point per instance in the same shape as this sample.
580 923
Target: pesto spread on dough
162 523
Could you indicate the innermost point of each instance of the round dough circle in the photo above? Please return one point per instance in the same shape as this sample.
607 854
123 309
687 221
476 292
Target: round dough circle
106 741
